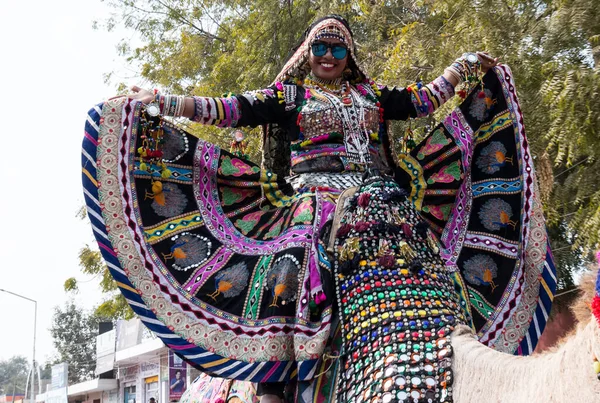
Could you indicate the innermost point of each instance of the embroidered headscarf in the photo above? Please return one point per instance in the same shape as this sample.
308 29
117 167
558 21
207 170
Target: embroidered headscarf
331 26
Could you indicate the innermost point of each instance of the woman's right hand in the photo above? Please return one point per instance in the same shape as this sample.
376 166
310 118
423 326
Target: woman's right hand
141 94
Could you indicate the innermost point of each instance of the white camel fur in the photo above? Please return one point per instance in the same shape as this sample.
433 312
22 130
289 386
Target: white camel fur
562 375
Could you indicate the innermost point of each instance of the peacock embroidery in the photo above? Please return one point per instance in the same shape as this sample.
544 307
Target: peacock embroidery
282 280
496 214
189 251
230 282
167 199
493 158
481 270
482 104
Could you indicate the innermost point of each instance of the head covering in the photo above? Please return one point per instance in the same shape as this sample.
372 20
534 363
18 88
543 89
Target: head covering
331 26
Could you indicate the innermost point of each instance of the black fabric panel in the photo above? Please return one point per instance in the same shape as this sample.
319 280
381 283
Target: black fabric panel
261 113
397 104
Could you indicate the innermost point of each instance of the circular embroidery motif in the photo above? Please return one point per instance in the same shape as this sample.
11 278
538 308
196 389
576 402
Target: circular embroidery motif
188 251
176 144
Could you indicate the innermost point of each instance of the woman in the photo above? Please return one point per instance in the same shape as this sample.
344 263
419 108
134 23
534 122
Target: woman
228 263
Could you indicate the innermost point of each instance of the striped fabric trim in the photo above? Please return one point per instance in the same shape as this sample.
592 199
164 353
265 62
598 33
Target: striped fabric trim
548 285
271 371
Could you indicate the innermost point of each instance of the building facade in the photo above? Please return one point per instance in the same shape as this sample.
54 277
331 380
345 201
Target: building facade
132 367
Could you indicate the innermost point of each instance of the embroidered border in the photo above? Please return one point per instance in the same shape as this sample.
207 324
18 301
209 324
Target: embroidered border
134 258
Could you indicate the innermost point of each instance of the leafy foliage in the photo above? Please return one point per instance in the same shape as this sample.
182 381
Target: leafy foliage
74 334
114 305
91 263
13 375
209 47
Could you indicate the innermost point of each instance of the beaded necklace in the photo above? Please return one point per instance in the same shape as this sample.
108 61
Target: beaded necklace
332 85
345 101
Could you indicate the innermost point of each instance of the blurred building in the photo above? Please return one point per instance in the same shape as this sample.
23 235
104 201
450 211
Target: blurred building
132 366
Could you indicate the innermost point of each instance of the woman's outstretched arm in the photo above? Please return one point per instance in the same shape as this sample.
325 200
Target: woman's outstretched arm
269 105
422 100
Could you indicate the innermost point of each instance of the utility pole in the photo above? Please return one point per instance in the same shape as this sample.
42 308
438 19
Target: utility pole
32 392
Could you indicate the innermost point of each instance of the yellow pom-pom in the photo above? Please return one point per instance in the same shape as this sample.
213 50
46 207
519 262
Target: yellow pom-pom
166 173
143 166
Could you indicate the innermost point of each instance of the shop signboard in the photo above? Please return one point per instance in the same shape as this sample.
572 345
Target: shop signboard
58 392
177 377
129 373
149 368
60 374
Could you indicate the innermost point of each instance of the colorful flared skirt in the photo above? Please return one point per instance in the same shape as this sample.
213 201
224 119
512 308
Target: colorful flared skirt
228 265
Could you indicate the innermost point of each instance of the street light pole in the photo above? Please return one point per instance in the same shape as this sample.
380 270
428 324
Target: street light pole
32 393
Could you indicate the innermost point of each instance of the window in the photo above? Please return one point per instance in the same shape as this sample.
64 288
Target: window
151 385
129 394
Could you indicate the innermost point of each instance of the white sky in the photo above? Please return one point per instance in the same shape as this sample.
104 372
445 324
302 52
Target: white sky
51 66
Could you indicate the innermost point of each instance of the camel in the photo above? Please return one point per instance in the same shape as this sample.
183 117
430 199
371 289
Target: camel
563 374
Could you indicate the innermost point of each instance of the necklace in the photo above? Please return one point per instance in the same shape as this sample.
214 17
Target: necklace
333 85
351 113
336 87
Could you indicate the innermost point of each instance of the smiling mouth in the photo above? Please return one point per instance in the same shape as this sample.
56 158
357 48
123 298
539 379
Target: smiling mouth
328 65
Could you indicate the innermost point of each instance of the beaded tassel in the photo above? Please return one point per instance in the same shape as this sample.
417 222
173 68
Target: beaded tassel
150 152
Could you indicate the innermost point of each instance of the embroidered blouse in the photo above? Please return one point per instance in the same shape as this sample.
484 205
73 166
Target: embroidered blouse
328 131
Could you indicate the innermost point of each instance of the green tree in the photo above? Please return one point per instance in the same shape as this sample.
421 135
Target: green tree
209 47
13 375
74 334
114 305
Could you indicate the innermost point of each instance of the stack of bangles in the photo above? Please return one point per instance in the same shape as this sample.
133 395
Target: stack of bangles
170 105
463 67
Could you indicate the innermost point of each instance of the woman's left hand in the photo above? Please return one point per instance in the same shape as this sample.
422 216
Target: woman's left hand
487 61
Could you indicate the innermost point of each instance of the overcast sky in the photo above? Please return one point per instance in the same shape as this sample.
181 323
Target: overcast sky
51 66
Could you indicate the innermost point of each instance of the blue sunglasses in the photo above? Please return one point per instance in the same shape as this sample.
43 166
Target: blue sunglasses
337 51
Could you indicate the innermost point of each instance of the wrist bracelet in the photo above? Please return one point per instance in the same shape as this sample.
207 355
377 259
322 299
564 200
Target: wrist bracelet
454 73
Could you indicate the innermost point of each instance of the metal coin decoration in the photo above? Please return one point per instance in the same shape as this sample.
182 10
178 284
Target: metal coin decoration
153 109
397 303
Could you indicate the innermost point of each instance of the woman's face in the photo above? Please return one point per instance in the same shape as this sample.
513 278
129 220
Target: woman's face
327 67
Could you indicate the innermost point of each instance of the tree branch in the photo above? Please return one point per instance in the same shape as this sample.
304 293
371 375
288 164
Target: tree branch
180 17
